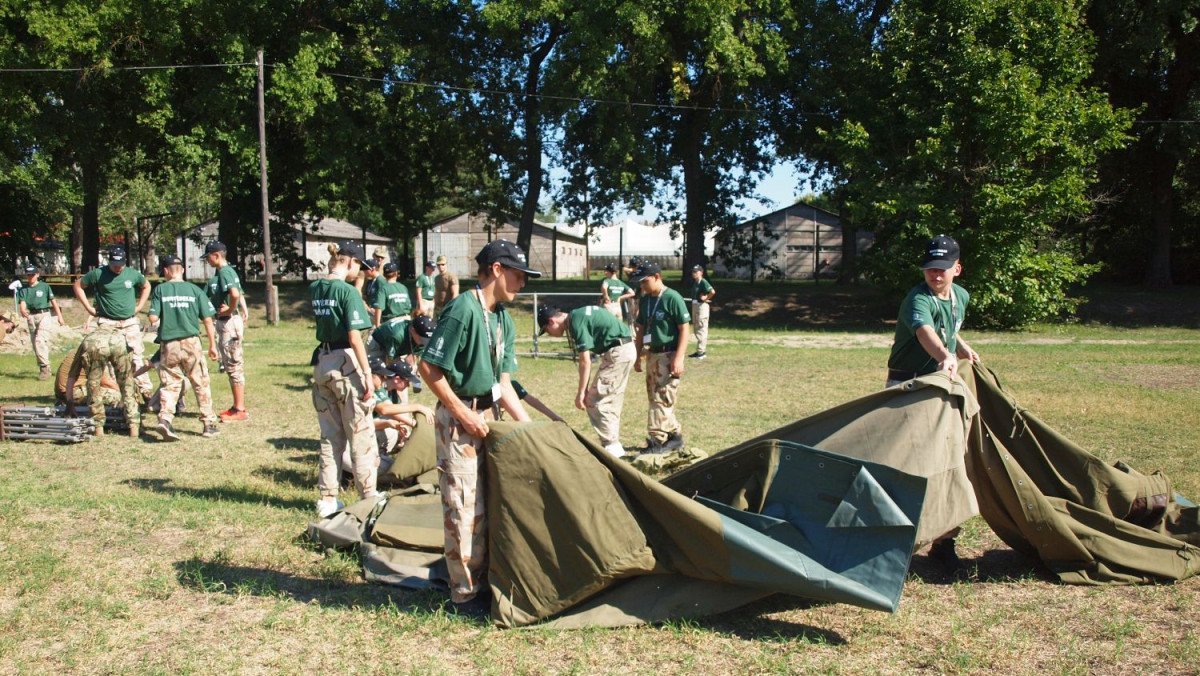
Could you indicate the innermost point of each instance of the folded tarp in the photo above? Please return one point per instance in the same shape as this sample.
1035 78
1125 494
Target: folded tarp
1088 521
582 537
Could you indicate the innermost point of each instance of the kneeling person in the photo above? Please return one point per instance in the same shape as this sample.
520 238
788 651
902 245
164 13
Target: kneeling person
178 308
593 329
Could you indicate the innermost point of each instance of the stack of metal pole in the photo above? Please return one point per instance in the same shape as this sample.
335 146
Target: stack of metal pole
43 423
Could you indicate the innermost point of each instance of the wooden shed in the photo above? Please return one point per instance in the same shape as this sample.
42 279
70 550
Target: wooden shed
558 250
801 241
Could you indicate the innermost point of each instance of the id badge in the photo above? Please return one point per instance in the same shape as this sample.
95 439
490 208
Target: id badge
496 393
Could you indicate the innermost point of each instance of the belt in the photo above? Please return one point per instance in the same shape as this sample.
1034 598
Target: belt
38 312
659 349
111 319
480 403
896 374
617 344
224 319
334 345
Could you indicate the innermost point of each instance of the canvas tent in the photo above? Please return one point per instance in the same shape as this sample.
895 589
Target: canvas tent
581 539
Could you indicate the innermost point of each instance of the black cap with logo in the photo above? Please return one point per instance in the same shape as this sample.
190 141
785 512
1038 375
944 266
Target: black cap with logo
116 254
214 247
30 269
941 253
544 314
170 259
352 249
646 269
423 325
398 368
507 254
390 267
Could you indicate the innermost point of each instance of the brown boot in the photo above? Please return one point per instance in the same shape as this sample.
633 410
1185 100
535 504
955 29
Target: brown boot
44 374
99 431
135 432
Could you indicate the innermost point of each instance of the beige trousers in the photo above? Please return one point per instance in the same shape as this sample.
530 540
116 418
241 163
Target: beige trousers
40 326
461 459
700 324
345 421
606 394
661 389
183 360
132 328
229 347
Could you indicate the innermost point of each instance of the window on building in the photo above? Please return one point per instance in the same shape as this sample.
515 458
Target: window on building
799 248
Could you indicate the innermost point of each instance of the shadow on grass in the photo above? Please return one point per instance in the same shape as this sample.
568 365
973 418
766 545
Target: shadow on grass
295 444
287 476
296 388
241 494
749 622
222 577
993 566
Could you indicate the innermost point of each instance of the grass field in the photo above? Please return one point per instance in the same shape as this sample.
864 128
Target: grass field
119 555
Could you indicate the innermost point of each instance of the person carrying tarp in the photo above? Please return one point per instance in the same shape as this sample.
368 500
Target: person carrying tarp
927 340
468 365
590 329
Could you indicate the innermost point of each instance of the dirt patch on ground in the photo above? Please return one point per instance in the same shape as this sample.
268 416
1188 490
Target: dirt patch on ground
1154 376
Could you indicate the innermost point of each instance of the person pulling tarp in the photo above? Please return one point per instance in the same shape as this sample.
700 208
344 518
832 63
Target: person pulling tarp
584 538
1089 522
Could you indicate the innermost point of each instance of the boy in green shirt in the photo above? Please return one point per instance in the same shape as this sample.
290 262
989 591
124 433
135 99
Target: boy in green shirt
662 332
342 392
35 302
390 301
613 291
117 305
225 293
702 293
927 341
178 308
425 289
590 329
468 365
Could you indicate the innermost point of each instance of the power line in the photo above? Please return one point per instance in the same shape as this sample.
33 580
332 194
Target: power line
180 66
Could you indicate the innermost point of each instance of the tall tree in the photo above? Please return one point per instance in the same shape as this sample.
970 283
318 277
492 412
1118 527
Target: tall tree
1148 60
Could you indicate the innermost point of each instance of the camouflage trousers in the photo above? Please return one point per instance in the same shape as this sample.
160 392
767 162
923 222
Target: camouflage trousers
614 308
180 360
606 395
661 389
346 423
40 326
700 324
108 348
461 459
132 329
229 347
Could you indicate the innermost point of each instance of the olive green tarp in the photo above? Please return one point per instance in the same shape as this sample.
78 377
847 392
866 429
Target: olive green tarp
1089 522
588 540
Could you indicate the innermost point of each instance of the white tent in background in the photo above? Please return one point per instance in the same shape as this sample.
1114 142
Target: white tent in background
631 238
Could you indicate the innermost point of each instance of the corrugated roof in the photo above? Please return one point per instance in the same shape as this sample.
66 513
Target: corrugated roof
328 228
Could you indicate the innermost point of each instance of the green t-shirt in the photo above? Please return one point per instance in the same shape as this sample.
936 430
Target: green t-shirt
179 306
425 286
697 289
219 285
338 309
393 339
661 316
36 297
592 328
392 299
115 297
922 308
461 348
614 289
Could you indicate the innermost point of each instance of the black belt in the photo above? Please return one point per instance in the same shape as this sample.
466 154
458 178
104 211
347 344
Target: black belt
661 348
896 374
480 403
224 319
619 343
334 345
111 319
39 312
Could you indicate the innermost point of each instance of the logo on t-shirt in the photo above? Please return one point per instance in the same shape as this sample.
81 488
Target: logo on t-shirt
128 284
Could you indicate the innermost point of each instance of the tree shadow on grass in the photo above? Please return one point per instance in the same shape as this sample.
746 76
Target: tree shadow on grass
221 577
296 388
295 444
28 400
241 494
287 476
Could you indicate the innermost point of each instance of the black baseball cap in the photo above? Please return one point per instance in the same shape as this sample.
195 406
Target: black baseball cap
697 268
369 263
609 267
352 249
214 247
941 253
30 269
389 268
423 325
170 259
116 254
544 314
635 261
398 368
507 254
645 270
429 264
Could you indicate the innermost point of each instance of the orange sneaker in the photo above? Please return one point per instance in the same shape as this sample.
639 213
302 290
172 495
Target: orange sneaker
233 415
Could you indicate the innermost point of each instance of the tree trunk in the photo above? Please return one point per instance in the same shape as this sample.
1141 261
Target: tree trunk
75 255
90 216
532 114
694 188
229 227
1162 205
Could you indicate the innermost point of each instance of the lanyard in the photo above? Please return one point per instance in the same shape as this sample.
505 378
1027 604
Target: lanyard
945 330
493 339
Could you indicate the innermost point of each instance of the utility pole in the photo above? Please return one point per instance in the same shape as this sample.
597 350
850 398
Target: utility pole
268 262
